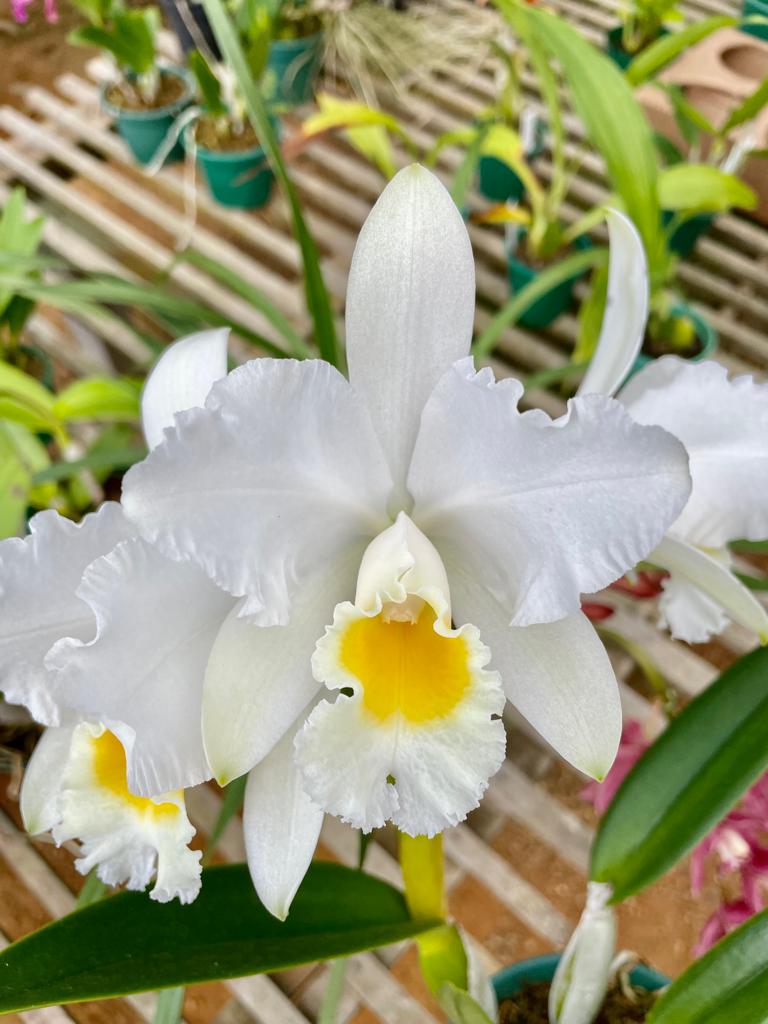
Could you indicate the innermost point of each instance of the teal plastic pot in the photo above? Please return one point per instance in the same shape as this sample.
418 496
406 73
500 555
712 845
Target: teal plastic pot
241 179
144 131
554 302
684 238
293 66
615 50
705 332
513 979
751 7
499 183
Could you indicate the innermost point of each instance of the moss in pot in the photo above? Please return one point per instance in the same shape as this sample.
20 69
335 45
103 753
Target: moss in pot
523 990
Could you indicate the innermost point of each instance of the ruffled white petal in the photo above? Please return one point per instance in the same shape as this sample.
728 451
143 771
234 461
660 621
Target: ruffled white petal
40 800
540 510
181 379
724 426
410 307
691 616
419 738
39 576
626 310
127 839
266 484
143 673
281 826
557 675
259 678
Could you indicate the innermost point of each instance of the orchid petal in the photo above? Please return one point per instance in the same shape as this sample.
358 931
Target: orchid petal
557 675
724 426
265 673
541 510
143 673
716 581
127 839
626 310
266 484
40 800
181 379
281 826
39 576
410 307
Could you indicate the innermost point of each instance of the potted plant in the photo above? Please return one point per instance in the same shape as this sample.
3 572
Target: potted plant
295 52
145 98
223 140
641 23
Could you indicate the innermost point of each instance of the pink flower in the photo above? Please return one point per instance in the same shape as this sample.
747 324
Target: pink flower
740 844
725 919
20 10
632 746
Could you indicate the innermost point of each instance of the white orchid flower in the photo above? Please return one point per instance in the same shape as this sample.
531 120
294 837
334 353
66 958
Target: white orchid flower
464 529
471 530
723 424
78 784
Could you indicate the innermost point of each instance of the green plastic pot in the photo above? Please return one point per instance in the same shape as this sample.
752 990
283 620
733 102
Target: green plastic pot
684 238
554 302
615 49
513 979
242 179
144 131
293 66
760 7
705 332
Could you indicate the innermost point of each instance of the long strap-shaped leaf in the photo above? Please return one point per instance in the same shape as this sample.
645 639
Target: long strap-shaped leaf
318 301
129 944
727 986
687 781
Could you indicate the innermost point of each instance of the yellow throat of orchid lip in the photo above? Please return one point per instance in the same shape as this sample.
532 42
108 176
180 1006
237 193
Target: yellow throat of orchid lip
404 666
109 767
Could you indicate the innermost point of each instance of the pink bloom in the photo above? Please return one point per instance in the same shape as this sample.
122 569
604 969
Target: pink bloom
739 843
20 10
725 919
632 746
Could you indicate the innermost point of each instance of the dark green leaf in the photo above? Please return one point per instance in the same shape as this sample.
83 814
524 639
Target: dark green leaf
753 582
687 781
727 986
130 944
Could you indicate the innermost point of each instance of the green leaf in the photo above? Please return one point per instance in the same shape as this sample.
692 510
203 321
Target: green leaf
130 944
666 48
571 266
318 300
753 582
687 781
460 1007
334 990
130 38
92 891
613 120
729 984
293 340
99 398
207 83
750 108
170 1003
117 458
15 482
591 313
704 189
754 547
